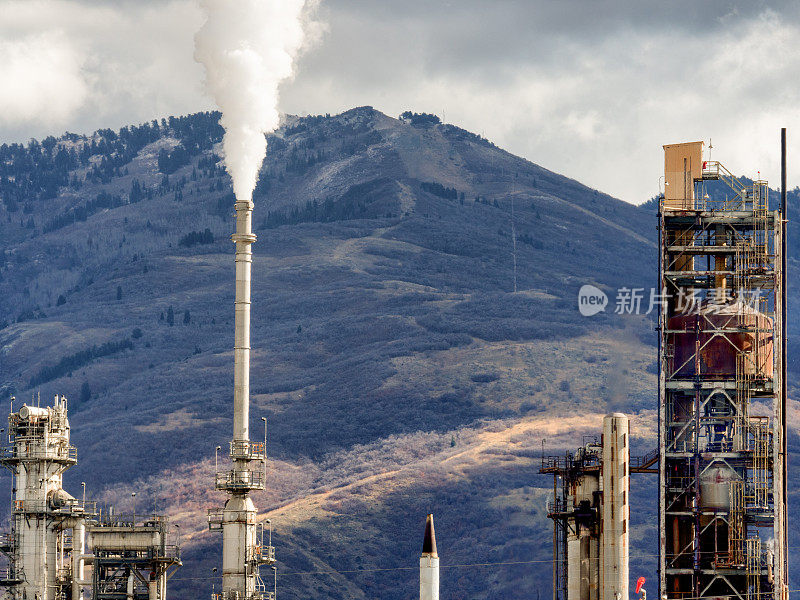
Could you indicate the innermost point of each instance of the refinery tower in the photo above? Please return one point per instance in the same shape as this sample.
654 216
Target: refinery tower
722 442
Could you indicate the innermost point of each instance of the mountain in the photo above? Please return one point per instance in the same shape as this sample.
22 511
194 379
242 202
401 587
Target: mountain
399 370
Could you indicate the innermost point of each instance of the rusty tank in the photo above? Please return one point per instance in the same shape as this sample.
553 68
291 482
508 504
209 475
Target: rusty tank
721 333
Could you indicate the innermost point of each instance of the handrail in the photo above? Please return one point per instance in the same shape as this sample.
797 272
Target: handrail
646 460
240 479
34 452
247 450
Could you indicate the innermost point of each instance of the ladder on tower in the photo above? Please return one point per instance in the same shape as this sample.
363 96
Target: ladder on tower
753 578
741 425
736 528
759 427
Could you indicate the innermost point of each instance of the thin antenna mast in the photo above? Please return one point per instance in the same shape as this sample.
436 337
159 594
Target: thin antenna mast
514 243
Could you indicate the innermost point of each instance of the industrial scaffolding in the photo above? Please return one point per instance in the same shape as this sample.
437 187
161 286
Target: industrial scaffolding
722 403
590 511
568 470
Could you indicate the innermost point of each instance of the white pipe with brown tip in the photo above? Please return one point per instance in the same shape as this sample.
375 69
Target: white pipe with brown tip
429 564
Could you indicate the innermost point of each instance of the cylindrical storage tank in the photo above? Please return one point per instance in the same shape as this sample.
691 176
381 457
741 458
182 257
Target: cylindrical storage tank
715 487
123 539
616 510
32 413
717 352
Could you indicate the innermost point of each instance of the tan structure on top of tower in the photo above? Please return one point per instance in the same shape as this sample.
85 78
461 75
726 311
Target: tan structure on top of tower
683 165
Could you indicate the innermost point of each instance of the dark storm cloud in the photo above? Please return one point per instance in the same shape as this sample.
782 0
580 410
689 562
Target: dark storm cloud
477 34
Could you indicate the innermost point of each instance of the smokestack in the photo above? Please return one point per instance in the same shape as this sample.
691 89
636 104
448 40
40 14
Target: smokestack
239 578
243 238
429 564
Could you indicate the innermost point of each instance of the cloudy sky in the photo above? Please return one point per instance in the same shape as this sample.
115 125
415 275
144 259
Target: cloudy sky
587 88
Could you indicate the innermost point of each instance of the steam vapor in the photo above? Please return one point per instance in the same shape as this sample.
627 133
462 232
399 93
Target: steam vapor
247 48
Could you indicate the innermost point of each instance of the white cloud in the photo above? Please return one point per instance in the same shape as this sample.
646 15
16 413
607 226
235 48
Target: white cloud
42 79
134 62
594 103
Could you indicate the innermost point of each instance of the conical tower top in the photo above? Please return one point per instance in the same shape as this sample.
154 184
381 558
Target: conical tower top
429 545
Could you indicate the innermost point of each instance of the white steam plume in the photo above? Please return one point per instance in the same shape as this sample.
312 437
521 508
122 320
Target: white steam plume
248 47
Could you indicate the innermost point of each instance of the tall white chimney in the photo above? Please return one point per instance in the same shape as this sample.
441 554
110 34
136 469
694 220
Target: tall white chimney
242 552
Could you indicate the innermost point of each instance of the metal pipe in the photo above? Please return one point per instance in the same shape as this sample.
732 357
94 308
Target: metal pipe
78 551
785 459
555 537
152 588
661 324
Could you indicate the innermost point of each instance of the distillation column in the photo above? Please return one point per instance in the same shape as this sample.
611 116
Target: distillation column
721 508
591 512
616 510
576 512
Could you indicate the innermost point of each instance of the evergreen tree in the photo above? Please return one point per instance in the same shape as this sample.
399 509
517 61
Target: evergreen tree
136 193
86 393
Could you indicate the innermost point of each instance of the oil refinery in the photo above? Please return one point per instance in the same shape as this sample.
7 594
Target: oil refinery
720 457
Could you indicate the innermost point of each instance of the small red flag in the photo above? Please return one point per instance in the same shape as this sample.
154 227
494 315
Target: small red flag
639 584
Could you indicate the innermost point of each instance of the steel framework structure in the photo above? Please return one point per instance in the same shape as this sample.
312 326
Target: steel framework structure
567 470
721 391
